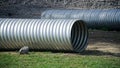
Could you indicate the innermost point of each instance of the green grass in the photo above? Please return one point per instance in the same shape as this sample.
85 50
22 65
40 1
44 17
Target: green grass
56 60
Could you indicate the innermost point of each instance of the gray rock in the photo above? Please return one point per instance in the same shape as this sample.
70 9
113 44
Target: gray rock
24 50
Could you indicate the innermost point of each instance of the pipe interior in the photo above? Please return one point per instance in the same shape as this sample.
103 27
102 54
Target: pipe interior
78 36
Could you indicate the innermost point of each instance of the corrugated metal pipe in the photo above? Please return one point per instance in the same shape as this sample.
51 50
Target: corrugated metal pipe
43 34
98 19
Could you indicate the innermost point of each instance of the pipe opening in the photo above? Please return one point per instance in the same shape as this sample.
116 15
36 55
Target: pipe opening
79 36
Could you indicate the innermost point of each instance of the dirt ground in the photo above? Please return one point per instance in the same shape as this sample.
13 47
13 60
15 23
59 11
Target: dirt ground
103 43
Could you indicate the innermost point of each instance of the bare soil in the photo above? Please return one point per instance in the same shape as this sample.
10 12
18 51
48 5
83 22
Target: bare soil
103 43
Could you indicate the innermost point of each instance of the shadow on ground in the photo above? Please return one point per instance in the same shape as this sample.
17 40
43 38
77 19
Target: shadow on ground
91 53
86 52
99 53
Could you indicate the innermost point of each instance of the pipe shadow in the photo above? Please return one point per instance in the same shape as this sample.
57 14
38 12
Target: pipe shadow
90 53
85 52
99 53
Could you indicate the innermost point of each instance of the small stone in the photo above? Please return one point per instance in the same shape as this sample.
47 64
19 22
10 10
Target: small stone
24 50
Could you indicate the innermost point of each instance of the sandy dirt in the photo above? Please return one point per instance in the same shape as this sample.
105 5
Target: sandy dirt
103 43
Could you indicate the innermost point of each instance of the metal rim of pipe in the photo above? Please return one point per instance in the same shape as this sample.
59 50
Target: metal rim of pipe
79 38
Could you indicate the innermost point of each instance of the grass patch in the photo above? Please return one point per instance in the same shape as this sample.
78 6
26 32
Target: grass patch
56 60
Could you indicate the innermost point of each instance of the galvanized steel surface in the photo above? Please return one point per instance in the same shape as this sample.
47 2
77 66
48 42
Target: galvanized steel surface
45 34
109 18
